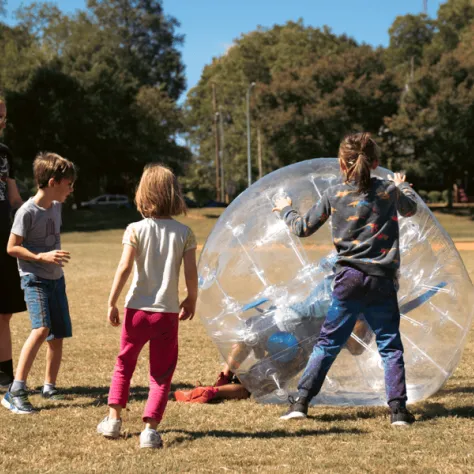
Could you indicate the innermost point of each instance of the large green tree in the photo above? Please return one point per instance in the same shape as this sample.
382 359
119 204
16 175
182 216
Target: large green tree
106 82
311 86
435 122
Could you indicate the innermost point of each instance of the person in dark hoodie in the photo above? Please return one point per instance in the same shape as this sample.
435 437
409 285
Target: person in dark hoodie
11 294
364 212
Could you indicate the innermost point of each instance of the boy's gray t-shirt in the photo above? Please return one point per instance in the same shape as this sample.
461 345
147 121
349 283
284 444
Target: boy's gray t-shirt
39 228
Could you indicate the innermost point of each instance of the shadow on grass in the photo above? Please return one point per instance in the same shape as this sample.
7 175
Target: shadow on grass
430 411
458 389
212 216
352 415
99 395
188 435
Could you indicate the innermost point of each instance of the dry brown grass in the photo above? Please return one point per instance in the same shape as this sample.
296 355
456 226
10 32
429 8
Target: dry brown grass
228 437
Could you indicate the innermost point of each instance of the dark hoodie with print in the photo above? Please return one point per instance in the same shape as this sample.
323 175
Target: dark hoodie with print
364 225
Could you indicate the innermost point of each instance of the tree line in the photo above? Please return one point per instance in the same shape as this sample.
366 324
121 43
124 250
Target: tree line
101 87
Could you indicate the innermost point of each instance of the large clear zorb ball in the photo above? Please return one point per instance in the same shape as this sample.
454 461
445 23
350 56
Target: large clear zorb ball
264 294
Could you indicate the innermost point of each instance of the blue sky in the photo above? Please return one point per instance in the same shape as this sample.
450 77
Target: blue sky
210 26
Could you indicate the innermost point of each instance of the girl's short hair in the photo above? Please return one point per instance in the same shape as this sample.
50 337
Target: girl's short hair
158 193
50 165
357 153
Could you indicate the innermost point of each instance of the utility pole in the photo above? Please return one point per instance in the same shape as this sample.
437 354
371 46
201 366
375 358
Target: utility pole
425 7
216 134
259 152
221 128
249 157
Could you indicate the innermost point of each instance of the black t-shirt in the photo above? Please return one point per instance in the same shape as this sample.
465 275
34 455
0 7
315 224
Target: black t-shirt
6 170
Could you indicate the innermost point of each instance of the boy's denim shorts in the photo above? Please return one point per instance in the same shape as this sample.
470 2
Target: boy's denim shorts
47 305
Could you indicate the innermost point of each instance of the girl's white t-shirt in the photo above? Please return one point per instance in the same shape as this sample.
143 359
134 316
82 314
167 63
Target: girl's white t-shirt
160 245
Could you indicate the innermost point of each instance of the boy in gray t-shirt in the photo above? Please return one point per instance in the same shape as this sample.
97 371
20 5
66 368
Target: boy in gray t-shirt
35 242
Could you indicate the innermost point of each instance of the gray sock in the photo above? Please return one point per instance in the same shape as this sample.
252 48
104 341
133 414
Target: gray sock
49 387
18 385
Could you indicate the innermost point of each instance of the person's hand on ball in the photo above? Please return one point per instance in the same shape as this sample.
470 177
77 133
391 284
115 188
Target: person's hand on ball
281 203
113 316
397 178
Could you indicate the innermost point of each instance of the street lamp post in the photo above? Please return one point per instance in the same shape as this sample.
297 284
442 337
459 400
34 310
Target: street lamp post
249 160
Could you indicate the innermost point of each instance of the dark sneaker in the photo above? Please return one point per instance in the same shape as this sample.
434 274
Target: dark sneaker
400 416
17 402
52 394
298 408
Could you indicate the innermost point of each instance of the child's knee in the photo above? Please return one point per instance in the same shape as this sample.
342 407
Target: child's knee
41 333
56 343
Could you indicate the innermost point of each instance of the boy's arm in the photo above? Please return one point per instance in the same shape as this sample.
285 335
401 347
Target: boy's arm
188 306
122 273
16 250
304 226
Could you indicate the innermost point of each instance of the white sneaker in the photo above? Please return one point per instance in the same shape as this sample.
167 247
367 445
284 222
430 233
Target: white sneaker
150 439
109 428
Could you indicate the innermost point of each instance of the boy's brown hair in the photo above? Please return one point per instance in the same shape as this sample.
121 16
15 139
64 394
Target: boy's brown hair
50 165
159 193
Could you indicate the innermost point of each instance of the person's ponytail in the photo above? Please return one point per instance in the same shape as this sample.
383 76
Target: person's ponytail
357 153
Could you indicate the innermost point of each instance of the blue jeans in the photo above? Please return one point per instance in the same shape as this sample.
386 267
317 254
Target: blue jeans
47 305
354 294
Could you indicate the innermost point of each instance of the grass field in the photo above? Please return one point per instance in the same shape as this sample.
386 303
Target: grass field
240 436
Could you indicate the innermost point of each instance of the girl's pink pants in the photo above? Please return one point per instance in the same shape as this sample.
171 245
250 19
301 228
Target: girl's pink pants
161 330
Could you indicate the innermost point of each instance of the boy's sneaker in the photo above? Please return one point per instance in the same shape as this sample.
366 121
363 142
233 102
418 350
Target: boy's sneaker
150 439
17 402
109 428
400 416
54 394
298 408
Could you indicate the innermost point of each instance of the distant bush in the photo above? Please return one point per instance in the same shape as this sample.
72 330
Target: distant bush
434 196
445 195
423 194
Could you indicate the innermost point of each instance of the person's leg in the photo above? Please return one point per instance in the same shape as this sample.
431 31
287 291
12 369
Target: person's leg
384 319
233 391
54 356
6 362
163 359
342 314
5 338
337 328
383 315
134 336
29 351
61 328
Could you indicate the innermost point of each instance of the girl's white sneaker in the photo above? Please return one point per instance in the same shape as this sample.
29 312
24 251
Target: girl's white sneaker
150 439
109 428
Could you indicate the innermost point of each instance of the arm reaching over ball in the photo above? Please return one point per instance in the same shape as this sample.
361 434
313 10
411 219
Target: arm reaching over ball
304 226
